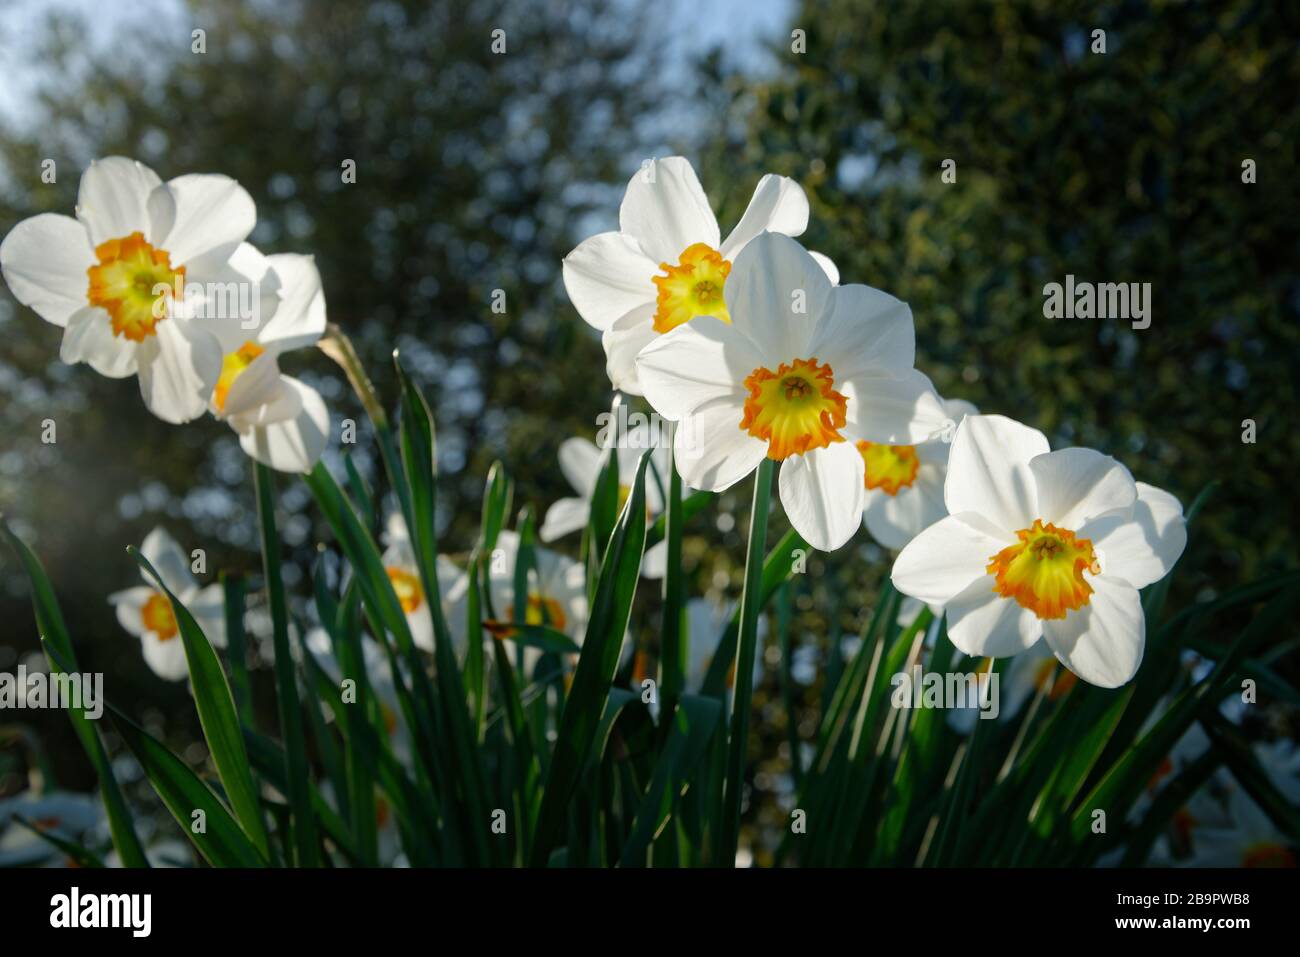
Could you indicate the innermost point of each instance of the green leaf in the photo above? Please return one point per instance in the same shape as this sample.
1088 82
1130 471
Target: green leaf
751 604
216 707
619 573
222 842
63 660
305 842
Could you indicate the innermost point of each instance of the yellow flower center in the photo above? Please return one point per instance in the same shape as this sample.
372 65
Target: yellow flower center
1267 855
407 587
231 366
543 610
691 288
156 613
889 467
131 282
794 409
1044 570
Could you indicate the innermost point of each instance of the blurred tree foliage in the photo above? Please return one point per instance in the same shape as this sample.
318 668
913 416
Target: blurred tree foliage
1117 167
473 173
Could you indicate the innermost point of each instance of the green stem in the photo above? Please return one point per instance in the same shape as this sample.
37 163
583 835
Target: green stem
286 682
751 602
787 679
674 642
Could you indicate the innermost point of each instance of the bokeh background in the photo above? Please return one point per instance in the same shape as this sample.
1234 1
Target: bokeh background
478 172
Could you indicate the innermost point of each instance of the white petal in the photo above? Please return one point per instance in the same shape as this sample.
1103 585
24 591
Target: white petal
988 471
1140 548
703 361
712 451
214 214
894 520
167 557
655 562
45 261
1102 642
778 205
665 210
946 558
296 444
113 199
237 300
208 606
89 338
565 516
777 295
580 461
129 604
983 623
608 276
179 367
1075 484
166 658
299 319
258 385
421 625
901 409
623 342
823 494
828 266
865 332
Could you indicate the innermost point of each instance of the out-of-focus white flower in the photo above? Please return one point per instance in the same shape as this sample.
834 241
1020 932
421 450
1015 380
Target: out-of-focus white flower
706 620
581 462
145 612
667 263
404 572
802 372
1042 544
1248 839
63 814
110 278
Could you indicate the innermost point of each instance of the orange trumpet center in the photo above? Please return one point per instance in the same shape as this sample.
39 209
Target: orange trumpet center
691 288
794 409
1044 570
889 467
133 282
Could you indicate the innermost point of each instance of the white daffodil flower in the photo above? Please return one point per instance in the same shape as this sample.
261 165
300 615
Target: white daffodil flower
281 422
706 620
1248 839
581 462
379 673
1043 544
404 572
801 373
557 593
64 814
146 613
1035 672
905 482
667 263
113 278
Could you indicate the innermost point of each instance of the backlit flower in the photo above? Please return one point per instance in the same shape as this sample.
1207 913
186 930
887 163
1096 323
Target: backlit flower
802 372
1043 544
115 277
667 263
281 421
146 612
905 482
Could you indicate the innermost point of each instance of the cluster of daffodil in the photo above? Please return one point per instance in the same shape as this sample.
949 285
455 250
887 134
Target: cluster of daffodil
759 357
755 349
155 280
